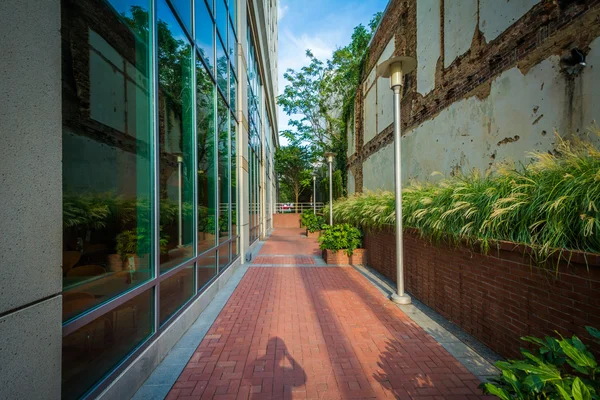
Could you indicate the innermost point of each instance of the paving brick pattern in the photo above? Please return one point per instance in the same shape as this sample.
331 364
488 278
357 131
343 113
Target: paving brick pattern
318 333
287 260
291 241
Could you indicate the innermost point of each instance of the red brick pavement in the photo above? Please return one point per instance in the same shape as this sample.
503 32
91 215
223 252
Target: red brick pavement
290 241
318 333
284 260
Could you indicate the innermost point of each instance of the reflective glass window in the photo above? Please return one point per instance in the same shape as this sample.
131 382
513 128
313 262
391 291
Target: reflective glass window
92 351
205 34
224 256
233 156
206 171
222 70
184 9
224 171
206 268
176 174
107 149
221 17
175 291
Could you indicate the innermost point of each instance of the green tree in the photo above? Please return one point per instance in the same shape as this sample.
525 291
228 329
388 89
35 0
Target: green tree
320 96
293 167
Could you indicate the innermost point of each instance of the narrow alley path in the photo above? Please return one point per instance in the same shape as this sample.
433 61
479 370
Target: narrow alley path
296 328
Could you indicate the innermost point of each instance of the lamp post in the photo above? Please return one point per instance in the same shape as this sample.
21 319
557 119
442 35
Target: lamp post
395 68
329 156
314 175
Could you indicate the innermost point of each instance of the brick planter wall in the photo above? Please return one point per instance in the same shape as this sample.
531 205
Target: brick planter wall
498 297
314 235
359 257
336 258
286 220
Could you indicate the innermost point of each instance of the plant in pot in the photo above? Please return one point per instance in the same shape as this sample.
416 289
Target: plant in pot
133 244
340 243
313 223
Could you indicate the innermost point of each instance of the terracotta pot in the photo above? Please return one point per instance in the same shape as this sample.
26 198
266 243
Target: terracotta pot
115 263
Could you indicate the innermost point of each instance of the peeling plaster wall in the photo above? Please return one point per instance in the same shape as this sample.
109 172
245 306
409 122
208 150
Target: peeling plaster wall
351 183
499 93
495 16
370 114
378 170
385 96
428 45
460 21
520 115
350 134
590 88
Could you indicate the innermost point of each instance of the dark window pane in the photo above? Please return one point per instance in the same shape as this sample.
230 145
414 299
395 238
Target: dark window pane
234 229
184 9
222 69
224 171
175 139
205 34
223 257
175 291
205 92
107 148
221 18
206 268
234 248
92 351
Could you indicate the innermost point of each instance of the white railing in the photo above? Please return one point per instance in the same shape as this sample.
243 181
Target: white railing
282 208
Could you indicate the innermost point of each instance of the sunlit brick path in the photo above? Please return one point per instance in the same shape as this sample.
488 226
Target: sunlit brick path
317 333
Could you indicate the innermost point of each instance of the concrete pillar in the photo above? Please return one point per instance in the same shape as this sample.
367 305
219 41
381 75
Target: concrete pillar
31 198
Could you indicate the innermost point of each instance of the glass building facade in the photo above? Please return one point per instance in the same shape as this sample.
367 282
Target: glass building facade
150 148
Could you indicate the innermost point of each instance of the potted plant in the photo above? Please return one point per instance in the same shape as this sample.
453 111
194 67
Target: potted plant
340 243
134 245
313 223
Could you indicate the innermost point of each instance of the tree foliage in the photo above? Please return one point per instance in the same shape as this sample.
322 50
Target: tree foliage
293 167
320 97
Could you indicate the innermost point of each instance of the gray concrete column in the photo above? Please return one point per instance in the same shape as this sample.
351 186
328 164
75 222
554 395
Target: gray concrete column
30 199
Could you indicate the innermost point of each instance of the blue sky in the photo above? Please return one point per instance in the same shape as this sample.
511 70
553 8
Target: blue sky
318 25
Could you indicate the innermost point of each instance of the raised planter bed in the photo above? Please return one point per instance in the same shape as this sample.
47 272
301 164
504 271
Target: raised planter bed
314 235
339 257
498 297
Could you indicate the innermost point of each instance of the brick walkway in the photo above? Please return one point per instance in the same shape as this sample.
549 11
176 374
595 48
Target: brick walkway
317 333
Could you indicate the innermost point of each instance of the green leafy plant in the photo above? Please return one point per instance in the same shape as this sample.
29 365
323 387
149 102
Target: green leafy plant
560 369
551 204
340 237
312 222
138 241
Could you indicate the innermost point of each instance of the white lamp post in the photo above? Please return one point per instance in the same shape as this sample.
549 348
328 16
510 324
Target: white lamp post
314 193
329 156
395 68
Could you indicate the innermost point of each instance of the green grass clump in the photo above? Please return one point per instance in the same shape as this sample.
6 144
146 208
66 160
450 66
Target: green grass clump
550 204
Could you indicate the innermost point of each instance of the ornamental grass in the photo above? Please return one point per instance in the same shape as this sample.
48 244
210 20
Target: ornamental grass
550 204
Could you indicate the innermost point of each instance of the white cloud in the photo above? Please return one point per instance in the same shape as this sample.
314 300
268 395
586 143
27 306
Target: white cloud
292 55
281 11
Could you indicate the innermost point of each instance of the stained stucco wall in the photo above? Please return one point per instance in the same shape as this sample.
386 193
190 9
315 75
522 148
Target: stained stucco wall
521 114
517 113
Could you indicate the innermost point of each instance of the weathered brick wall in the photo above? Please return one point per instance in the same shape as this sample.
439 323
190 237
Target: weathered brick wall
499 297
549 28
